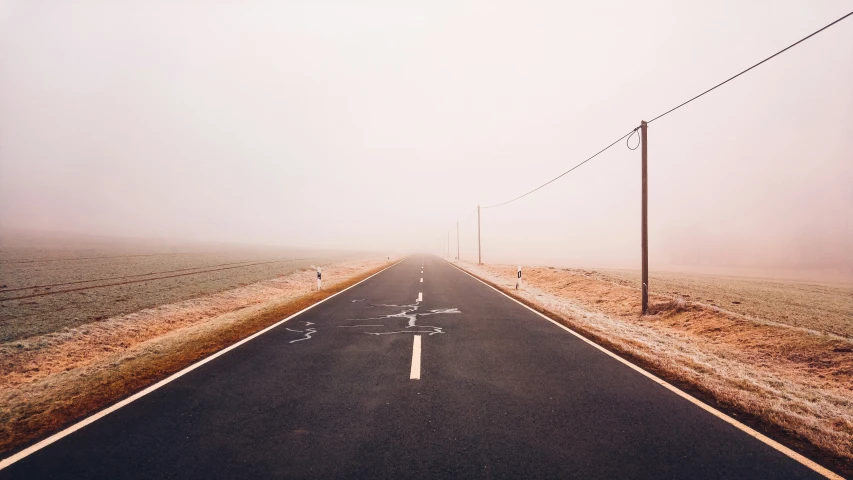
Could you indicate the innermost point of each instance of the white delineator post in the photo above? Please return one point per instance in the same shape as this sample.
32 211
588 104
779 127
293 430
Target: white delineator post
518 281
319 278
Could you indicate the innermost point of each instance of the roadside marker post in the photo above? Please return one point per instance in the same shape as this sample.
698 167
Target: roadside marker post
518 281
319 278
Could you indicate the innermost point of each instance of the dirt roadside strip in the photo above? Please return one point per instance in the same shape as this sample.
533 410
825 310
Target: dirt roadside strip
793 385
49 381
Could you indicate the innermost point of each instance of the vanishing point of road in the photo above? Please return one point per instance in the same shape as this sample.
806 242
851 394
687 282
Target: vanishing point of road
420 371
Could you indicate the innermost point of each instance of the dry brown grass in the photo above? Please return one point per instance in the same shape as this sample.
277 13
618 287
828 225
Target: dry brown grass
48 381
786 377
826 308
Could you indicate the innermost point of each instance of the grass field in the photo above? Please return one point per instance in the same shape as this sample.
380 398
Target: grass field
822 307
55 282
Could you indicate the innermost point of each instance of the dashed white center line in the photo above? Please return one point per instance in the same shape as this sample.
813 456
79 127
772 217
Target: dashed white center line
420 296
416 359
422 280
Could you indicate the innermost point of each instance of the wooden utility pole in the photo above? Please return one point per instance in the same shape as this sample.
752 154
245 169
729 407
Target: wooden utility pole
457 241
645 228
479 245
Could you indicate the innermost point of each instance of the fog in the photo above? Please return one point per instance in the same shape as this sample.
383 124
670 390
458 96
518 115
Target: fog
380 125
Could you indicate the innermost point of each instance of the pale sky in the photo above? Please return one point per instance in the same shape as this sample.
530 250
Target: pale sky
378 125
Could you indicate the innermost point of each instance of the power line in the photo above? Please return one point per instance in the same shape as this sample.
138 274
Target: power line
564 173
670 111
750 68
469 216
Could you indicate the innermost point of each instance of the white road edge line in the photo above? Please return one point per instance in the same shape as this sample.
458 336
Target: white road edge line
416 359
86 421
420 296
713 411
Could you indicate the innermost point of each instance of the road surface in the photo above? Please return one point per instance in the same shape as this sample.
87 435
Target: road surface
411 375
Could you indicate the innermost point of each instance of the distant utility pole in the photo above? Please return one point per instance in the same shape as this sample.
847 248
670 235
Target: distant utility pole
448 244
479 245
457 241
644 137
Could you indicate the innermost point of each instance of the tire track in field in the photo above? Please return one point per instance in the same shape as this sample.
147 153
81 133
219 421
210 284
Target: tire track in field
87 301
42 260
17 289
80 289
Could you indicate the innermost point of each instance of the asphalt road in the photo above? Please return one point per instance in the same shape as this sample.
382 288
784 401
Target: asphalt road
501 393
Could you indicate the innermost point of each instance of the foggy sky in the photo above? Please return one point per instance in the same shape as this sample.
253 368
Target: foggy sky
379 125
